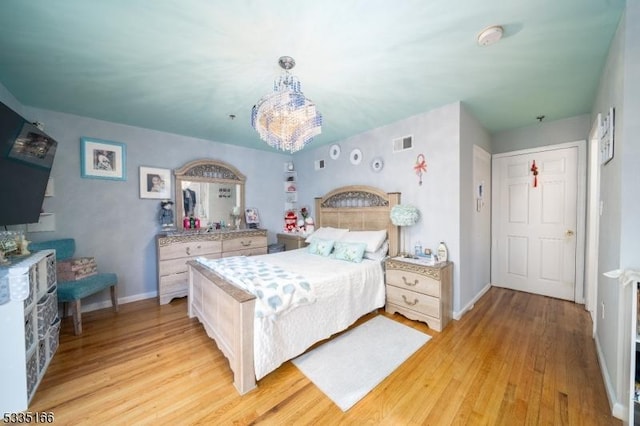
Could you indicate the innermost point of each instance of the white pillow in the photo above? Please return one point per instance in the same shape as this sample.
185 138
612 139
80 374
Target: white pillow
373 239
379 254
327 233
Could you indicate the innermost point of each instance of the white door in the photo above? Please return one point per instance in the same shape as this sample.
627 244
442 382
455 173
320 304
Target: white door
534 223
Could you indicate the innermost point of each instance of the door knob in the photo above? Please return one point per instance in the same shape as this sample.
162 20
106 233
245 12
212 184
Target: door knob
569 233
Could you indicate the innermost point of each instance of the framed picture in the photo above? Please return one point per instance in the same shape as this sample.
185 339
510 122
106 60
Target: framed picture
155 183
100 159
606 138
251 217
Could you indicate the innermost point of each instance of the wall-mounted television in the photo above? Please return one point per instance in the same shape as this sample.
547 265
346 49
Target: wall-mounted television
26 157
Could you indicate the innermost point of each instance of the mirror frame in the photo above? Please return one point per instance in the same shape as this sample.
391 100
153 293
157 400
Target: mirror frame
212 171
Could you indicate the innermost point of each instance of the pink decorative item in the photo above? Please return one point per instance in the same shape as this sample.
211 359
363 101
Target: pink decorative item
420 167
290 221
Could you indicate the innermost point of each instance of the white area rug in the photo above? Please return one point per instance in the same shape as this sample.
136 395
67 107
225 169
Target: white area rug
350 366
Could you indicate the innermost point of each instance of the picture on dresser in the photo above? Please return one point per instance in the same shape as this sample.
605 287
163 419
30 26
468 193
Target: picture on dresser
251 217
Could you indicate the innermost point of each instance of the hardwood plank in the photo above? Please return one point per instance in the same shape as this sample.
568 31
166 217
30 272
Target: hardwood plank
515 358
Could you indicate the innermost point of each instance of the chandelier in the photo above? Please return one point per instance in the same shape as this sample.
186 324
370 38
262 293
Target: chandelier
285 119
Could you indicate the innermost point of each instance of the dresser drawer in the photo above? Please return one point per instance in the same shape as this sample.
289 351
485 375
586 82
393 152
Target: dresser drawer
244 243
246 252
178 266
172 286
194 248
415 301
413 281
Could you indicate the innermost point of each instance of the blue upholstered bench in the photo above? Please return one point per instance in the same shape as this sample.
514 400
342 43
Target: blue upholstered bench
71 292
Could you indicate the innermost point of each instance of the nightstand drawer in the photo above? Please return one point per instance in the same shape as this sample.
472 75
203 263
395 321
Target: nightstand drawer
415 301
413 282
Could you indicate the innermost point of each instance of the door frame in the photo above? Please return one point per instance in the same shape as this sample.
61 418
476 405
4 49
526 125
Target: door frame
593 223
581 200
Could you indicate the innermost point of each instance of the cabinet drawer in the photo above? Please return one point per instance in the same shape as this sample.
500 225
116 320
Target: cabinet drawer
415 301
195 248
175 283
414 282
178 266
245 243
246 252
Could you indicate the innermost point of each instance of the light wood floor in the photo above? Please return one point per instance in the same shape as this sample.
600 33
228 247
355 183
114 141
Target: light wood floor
515 359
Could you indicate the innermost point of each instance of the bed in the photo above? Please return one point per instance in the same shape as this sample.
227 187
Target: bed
343 291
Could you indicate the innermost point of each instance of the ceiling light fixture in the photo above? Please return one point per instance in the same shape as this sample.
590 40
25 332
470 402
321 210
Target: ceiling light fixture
285 119
490 35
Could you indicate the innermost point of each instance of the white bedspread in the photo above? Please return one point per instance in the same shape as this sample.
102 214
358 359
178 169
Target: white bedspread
344 292
276 289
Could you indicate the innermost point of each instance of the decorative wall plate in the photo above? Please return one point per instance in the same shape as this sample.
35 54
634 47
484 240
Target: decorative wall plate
334 151
377 164
355 157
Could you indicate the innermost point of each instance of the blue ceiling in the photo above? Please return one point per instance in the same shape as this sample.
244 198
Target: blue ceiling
185 66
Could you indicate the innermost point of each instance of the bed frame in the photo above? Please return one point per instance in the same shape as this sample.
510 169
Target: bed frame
227 312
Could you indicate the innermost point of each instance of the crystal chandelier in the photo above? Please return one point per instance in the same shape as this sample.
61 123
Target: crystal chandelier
285 119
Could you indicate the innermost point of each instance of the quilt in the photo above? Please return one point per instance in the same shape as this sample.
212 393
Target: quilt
276 289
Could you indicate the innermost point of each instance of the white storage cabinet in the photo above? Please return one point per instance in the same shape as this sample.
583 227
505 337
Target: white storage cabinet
29 326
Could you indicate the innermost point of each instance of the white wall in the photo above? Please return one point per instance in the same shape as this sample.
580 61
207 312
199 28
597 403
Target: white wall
542 134
620 194
611 93
475 226
445 188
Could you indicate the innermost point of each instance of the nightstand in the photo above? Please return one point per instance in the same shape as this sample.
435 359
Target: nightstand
292 241
419 291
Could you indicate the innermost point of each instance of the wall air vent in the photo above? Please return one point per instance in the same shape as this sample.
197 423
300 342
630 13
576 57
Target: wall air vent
403 143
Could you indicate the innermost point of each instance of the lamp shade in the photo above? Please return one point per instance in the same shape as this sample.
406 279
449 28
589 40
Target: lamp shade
404 215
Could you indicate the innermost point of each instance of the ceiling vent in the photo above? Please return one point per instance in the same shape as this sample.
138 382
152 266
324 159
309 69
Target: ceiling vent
402 144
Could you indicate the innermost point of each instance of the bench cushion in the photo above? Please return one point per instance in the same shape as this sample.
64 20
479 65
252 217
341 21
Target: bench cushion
78 289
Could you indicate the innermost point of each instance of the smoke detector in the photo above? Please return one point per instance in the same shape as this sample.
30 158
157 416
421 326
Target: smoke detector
490 35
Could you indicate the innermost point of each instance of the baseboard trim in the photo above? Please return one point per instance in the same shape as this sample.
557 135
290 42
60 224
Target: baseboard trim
121 300
618 409
469 306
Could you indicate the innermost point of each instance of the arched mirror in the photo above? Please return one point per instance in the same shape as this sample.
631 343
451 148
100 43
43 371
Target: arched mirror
212 191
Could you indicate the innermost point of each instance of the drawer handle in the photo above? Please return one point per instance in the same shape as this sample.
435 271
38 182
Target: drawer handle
415 302
404 279
245 244
188 250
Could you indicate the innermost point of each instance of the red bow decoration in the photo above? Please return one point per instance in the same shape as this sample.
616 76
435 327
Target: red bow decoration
420 167
534 170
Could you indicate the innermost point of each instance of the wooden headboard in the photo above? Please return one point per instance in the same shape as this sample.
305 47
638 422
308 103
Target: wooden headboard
359 208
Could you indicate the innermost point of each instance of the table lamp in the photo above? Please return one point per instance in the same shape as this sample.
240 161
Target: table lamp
404 215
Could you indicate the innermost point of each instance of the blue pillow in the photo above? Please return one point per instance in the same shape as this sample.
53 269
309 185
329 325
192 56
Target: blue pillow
321 247
352 252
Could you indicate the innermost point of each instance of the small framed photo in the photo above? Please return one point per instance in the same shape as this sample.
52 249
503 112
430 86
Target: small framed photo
155 183
606 137
251 217
100 159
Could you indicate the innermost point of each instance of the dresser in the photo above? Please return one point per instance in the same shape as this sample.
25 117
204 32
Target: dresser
292 241
419 291
29 326
174 250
